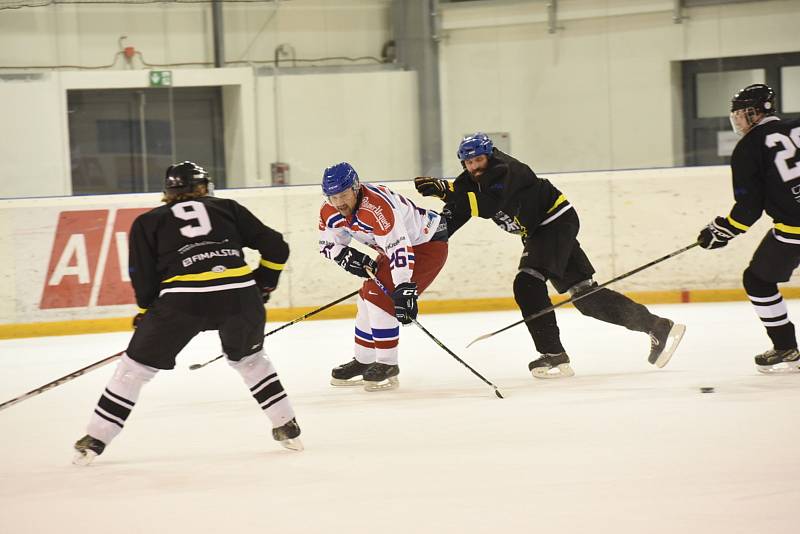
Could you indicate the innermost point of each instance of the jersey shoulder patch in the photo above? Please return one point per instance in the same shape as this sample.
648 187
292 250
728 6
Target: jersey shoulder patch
376 210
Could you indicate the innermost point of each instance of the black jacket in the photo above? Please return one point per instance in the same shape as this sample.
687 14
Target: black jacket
509 193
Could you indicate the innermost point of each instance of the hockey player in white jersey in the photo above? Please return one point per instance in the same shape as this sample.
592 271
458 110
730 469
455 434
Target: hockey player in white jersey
412 247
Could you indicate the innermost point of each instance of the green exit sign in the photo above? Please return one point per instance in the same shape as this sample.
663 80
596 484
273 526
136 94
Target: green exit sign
160 78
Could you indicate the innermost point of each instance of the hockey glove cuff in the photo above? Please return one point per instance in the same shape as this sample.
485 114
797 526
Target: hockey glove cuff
266 280
405 302
355 262
716 234
428 186
138 318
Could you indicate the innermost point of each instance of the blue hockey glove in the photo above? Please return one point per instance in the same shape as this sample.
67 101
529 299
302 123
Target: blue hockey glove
405 302
355 262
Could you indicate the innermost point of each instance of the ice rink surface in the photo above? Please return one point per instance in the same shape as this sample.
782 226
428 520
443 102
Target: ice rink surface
622 447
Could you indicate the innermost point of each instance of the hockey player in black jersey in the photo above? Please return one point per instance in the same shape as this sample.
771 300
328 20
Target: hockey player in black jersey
766 177
496 186
189 275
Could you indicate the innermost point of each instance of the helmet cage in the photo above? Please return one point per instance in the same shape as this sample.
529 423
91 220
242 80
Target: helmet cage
749 104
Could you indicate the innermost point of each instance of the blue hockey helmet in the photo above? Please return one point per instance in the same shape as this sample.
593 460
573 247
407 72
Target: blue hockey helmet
338 178
475 145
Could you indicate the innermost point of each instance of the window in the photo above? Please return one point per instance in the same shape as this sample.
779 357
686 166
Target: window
122 140
708 86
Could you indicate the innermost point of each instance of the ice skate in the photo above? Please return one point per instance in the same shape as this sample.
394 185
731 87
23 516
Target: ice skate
288 435
664 339
778 361
551 366
87 449
381 376
349 374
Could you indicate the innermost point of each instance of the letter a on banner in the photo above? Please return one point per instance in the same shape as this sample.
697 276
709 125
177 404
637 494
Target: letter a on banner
73 260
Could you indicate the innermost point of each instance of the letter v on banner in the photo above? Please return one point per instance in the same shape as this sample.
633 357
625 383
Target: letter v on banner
116 286
89 260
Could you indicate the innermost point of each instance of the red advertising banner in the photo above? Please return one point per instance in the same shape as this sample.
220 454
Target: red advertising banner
89 261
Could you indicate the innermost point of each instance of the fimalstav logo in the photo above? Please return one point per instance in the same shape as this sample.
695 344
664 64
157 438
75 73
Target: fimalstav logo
89 259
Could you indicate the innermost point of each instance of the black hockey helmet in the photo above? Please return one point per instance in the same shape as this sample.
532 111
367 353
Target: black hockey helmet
758 96
183 177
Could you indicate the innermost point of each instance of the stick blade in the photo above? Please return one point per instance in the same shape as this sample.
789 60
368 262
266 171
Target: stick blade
479 338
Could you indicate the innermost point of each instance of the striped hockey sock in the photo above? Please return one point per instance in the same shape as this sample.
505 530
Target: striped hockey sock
118 399
385 334
364 347
774 315
261 377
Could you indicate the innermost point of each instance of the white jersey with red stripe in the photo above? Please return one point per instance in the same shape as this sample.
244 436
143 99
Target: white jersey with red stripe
385 221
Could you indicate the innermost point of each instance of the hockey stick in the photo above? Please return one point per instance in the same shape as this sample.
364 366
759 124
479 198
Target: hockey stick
196 366
435 340
63 379
583 295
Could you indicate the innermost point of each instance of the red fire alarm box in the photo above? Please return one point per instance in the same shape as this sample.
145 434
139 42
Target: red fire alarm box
280 173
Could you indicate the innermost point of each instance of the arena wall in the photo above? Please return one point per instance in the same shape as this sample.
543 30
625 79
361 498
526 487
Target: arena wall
66 257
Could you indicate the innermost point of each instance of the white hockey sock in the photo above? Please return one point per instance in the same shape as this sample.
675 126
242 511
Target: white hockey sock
364 348
119 398
261 377
385 334
771 310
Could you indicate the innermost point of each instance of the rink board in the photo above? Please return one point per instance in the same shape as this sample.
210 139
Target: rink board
66 268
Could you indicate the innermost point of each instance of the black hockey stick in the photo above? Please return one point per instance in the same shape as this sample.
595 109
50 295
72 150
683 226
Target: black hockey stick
442 345
583 295
63 379
195 366
462 362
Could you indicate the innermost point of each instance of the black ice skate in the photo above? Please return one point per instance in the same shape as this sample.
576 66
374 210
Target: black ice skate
381 376
778 361
551 366
664 339
288 435
87 449
349 374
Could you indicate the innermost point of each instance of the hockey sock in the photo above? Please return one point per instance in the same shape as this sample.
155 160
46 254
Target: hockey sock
261 377
364 343
385 331
531 296
771 309
612 307
119 398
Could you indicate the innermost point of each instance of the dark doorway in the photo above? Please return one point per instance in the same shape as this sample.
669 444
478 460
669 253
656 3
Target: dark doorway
122 140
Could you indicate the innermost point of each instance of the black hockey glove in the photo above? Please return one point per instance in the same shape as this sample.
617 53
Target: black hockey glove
266 280
405 302
715 235
138 319
433 187
355 262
